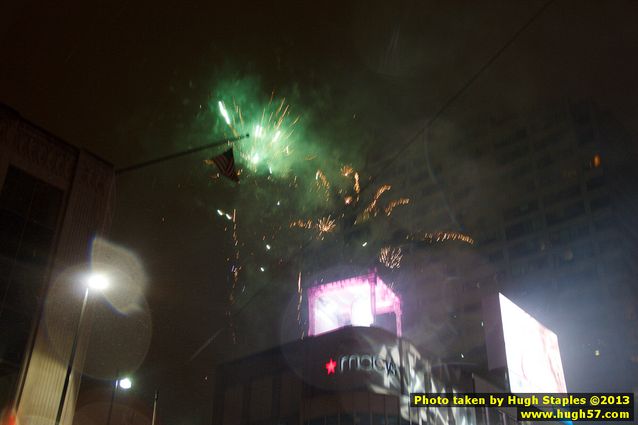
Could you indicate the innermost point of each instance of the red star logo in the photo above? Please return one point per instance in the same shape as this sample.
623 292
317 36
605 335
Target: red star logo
330 366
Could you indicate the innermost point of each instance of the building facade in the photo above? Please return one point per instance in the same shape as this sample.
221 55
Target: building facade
550 199
54 199
350 376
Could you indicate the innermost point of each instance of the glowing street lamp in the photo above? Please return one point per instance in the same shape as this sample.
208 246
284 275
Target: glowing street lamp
125 384
96 282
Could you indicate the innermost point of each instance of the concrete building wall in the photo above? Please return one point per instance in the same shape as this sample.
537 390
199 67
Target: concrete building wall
88 186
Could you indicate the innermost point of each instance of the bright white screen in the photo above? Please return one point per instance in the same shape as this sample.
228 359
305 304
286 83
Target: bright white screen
533 357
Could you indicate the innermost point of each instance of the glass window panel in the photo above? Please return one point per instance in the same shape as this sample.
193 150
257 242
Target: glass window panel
346 419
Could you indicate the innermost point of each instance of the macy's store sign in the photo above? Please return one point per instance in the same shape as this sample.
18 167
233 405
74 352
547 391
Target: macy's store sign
362 362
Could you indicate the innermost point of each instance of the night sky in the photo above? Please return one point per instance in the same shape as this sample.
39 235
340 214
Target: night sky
129 81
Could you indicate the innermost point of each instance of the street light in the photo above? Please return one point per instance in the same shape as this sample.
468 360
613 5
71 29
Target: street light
125 384
96 282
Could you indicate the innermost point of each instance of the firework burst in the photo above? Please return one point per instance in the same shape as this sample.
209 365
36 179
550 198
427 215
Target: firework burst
271 128
325 225
390 257
322 225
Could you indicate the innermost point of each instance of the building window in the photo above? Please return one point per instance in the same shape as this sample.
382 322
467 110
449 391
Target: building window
346 419
568 212
29 211
595 182
523 228
520 210
585 136
581 278
562 195
516 137
332 420
609 245
549 140
362 418
496 256
569 233
603 223
581 113
598 203
378 419
577 253
233 405
524 248
261 399
512 154
517 172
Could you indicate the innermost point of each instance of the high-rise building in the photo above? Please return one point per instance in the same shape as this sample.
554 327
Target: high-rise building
54 199
550 200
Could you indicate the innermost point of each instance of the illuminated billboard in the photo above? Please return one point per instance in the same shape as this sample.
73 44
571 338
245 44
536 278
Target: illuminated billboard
358 301
527 348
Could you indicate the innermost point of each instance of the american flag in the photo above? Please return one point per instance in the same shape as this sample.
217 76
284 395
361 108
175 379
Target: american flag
226 164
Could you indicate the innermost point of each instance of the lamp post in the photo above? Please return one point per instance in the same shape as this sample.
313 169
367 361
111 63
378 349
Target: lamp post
125 384
97 282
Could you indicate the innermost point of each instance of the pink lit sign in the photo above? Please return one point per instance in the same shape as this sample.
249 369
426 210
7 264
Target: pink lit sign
359 301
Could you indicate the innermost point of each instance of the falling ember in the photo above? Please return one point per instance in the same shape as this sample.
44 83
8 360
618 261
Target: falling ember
381 190
364 216
348 200
371 210
325 225
357 188
224 112
390 257
299 299
395 203
322 182
235 267
346 170
320 177
445 236
302 224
